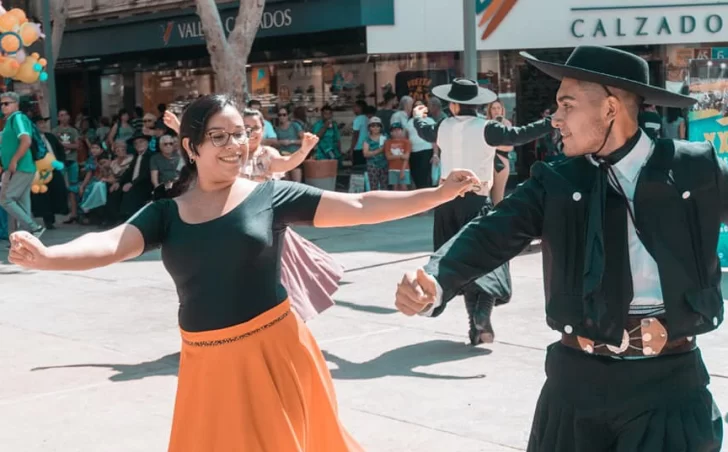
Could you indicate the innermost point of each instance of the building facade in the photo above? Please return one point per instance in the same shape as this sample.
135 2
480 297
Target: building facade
316 52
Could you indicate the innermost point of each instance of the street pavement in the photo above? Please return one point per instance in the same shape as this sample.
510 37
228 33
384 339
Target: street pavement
89 359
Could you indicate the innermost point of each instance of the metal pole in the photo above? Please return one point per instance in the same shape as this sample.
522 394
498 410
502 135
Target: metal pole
470 54
51 59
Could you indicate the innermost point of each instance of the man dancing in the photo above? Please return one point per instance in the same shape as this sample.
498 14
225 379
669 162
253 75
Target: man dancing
468 140
629 228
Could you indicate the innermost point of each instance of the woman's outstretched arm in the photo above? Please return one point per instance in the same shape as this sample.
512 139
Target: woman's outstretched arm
353 209
97 249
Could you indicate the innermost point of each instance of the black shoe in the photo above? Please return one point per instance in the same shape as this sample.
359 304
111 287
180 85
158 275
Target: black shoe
479 310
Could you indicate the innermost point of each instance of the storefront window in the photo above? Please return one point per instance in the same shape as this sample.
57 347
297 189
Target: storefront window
175 86
112 94
340 82
311 84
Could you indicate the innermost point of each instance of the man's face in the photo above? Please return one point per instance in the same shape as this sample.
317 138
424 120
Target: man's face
42 125
8 105
63 117
327 114
582 117
166 145
141 145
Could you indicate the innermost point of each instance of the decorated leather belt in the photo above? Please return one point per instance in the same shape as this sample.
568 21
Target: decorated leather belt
644 337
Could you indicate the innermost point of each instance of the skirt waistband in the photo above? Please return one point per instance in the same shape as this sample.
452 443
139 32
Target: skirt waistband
240 331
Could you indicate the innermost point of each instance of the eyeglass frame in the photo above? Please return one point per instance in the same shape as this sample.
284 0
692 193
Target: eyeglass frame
228 136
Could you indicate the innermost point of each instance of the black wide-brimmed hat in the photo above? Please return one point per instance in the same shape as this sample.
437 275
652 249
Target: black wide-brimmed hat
464 91
137 136
611 67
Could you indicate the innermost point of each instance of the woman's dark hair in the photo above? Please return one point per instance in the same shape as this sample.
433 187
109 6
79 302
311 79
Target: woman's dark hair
123 112
192 128
249 112
673 114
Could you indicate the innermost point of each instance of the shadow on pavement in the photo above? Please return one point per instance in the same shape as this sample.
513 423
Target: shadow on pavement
164 366
402 361
365 308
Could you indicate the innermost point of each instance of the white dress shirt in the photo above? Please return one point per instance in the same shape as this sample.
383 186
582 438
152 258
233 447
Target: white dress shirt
647 299
462 145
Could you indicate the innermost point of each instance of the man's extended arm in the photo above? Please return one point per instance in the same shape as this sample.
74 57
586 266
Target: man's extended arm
487 242
427 130
498 134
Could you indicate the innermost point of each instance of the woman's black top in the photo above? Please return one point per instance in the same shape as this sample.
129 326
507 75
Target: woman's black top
227 270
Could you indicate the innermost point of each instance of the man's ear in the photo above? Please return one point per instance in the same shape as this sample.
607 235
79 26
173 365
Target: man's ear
612 107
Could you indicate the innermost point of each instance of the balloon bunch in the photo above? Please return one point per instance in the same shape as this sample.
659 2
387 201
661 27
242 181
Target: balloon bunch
17 33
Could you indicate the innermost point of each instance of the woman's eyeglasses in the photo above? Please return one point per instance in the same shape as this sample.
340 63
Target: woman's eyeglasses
220 138
252 130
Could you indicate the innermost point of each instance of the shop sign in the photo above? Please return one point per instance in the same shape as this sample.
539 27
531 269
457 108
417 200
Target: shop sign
183 28
719 53
568 23
643 25
191 29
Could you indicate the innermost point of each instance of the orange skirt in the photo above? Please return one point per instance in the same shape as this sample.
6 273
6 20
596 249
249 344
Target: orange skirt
260 386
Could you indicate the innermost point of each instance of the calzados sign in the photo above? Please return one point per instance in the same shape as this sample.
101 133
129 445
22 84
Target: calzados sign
596 27
271 19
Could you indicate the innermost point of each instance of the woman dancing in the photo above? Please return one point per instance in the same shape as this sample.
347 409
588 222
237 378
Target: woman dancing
309 274
251 375
502 165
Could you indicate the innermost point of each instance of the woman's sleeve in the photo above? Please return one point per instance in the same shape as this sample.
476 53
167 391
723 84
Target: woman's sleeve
295 203
152 221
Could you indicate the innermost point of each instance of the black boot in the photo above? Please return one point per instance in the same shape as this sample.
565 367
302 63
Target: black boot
480 308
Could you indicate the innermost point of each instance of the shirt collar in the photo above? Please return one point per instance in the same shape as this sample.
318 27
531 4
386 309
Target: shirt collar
632 163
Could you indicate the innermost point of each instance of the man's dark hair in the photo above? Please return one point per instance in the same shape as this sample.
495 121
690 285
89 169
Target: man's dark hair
327 107
252 102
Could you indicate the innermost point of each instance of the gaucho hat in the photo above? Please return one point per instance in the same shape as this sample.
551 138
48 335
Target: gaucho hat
138 135
464 91
611 67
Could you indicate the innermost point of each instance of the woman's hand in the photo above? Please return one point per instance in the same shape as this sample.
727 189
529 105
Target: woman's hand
458 183
27 251
308 142
171 121
420 111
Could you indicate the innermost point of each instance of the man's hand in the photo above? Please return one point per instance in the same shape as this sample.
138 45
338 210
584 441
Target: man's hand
416 293
13 166
126 187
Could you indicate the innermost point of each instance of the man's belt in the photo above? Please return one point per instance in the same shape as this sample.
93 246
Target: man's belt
644 337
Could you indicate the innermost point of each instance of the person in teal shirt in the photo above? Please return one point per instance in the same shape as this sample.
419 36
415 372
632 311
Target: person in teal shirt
18 166
329 147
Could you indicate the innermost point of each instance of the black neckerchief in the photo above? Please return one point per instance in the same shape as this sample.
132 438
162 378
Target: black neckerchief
594 245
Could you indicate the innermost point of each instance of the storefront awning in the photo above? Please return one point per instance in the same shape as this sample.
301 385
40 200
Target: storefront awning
182 28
